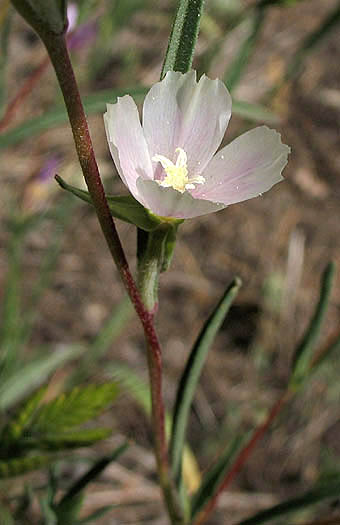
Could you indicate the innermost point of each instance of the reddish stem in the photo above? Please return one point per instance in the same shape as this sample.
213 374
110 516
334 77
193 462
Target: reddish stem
241 459
57 49
23 92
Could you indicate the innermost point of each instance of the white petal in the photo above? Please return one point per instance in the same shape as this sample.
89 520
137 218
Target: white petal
127 142
168 202
179 112
245 168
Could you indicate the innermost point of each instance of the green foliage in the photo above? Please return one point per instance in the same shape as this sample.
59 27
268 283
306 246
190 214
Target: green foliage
215 475
125 207
304 352
190 377
183 37
73 409
32 374
319 493
52 426
67 508
96 103
238 65
21 465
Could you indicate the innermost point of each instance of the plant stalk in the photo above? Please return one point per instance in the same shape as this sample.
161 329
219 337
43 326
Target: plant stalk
57 50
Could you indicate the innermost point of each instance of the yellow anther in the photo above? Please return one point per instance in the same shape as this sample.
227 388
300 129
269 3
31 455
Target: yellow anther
177 174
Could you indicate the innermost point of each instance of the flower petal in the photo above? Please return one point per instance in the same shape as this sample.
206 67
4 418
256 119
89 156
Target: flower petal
245 168
179 112
127 142
168 202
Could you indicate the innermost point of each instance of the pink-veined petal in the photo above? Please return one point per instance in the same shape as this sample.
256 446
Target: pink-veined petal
179 112
168 202
245 168
127 142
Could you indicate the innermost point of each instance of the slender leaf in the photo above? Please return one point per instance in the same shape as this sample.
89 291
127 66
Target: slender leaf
238 65
319 493
96 103
312 40
215 475
31 375
183 37
140 391
254 112
190 377
124 207
91 475
65 440
303 353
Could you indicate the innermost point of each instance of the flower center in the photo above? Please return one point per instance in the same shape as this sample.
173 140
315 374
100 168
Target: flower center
177 174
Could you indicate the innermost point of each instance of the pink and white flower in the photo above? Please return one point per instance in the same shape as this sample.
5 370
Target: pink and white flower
170 163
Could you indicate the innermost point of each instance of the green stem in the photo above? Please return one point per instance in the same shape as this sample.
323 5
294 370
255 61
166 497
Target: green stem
150 266
57 49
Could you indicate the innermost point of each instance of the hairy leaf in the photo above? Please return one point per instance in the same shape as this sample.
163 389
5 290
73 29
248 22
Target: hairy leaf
183 37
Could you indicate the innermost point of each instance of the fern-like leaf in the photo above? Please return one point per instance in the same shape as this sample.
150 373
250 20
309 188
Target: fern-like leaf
16 427
18 466
73 409
64 440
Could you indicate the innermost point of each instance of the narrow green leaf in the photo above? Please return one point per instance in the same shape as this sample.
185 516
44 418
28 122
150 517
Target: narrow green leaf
319 493
124 207
67 501
215 475
254 112
140 391
65 440
303 354
31 375
311 41
18 424
94 103
190 377
183 37
74 408
238 65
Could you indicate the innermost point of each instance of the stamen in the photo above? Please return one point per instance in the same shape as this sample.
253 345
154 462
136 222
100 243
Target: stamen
177 174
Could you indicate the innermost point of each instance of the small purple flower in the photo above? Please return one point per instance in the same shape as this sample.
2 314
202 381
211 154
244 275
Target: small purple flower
170 164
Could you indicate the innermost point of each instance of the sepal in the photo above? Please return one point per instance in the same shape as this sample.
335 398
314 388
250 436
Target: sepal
123 207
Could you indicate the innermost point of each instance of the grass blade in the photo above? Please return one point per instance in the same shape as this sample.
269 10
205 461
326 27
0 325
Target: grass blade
325 491
236 68
214 476
66 504
183 37
31 375
190 377
303 353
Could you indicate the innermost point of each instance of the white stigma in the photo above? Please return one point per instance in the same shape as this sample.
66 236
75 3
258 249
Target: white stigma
177 174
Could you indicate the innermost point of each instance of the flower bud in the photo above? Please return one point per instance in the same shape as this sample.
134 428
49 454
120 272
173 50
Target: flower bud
45 17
